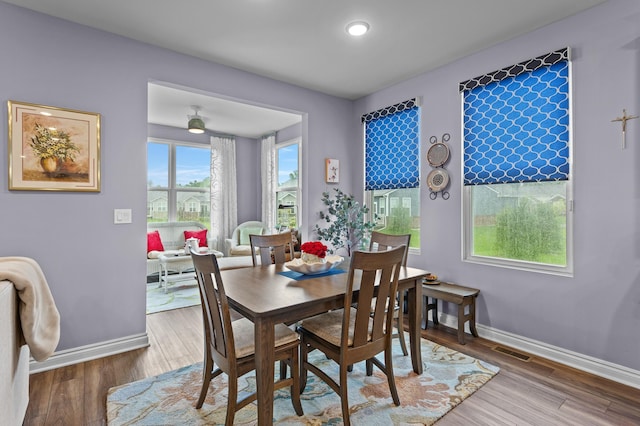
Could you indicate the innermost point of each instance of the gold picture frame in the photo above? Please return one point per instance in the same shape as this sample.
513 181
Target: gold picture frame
332 170
53 149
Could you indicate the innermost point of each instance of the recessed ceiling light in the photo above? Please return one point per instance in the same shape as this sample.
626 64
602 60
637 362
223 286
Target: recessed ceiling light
357 28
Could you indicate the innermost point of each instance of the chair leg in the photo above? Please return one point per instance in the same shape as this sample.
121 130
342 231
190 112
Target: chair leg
295 378
207 370
388 363
283 370
400 323
232 400
344 396
400 327
303 368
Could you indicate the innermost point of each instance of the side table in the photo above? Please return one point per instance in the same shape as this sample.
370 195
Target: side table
461 296
180 263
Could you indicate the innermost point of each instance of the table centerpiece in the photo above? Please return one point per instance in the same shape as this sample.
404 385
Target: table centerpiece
314 259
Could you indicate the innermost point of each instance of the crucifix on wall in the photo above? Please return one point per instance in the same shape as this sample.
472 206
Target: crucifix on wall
624 120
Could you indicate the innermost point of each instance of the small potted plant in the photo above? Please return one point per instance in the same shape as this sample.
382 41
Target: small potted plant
53 147
347 227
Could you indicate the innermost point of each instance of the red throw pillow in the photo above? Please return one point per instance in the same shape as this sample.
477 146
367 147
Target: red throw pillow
154 242
200 235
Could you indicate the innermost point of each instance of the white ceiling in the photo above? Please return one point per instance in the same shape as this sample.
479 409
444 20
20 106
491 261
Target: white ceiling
171 106
304 42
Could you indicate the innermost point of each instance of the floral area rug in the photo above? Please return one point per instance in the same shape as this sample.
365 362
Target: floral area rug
178 295
448 378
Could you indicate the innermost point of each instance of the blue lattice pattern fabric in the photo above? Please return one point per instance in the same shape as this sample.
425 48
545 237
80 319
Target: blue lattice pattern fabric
392 152
516 124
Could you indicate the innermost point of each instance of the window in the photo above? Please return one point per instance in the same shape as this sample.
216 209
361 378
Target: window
288 187
392 168
517 186
178 182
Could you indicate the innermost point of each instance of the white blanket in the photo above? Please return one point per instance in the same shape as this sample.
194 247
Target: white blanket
39 317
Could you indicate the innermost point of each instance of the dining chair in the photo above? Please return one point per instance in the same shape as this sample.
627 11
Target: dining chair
230 345
352 334
381 242
271 248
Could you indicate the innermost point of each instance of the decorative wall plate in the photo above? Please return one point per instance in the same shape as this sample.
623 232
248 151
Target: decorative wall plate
438 154
437 180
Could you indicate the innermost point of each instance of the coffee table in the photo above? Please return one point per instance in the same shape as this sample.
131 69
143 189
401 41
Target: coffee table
180 263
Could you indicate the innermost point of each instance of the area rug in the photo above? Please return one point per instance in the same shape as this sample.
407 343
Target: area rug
448 378
178 295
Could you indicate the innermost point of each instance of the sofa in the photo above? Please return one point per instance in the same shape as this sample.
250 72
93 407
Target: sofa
171 236
14 359
238 255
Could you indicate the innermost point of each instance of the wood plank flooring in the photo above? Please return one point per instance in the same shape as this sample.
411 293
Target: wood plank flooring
537 392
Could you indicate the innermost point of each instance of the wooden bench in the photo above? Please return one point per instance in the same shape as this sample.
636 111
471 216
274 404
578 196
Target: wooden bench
461 296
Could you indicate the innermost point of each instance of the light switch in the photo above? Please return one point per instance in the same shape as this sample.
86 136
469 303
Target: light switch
121 216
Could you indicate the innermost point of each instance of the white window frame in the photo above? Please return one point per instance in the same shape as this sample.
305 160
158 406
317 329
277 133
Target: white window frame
467 240
297 189
467 214
172 189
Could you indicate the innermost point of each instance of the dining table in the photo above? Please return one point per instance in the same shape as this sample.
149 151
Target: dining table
267 295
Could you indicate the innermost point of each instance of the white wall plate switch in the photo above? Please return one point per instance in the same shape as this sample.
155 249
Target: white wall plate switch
121 216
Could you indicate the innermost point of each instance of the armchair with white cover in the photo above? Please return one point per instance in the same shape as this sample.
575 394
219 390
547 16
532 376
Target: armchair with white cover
238 244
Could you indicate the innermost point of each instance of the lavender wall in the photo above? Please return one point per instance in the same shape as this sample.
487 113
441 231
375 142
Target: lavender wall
597 312
99 289
96 270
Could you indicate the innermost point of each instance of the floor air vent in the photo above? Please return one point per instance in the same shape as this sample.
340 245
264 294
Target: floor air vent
521 357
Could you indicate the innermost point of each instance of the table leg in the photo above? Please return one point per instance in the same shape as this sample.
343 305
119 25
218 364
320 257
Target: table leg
414 300
265 344
164 273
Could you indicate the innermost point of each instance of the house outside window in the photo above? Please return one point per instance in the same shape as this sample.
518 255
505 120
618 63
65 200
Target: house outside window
178 182
392 169
287 194
516 166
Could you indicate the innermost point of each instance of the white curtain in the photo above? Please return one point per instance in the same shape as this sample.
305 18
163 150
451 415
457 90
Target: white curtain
267 171
224 198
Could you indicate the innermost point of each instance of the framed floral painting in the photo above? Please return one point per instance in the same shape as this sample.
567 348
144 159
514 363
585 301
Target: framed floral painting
332 170
53 149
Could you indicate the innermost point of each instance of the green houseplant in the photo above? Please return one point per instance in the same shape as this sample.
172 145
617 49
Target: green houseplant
53 147
348 227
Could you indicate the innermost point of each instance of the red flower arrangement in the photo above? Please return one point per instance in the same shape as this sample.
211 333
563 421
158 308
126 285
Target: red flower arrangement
314 247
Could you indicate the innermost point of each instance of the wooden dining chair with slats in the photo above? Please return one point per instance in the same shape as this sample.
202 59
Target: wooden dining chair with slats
274 248
381 242
229 346
354 334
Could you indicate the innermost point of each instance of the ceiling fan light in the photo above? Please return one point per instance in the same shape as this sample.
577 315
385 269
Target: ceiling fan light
196 125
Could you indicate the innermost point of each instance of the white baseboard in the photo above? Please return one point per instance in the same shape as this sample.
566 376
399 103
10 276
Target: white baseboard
90 352
605 369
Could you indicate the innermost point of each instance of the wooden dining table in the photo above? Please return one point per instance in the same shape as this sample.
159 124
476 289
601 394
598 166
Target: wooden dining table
266 297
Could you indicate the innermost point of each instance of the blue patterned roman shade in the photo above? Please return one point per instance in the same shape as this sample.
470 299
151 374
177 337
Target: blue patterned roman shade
516 122
392 147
